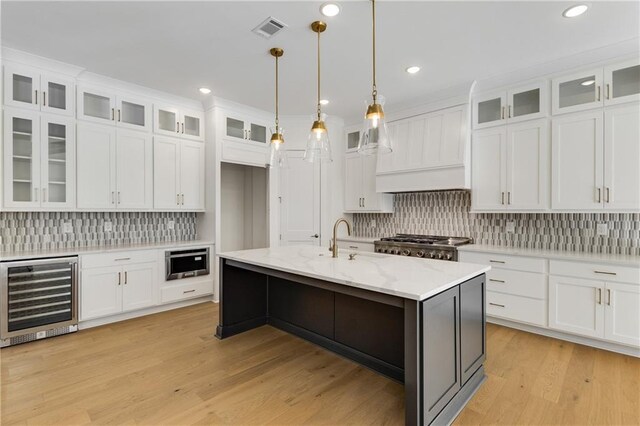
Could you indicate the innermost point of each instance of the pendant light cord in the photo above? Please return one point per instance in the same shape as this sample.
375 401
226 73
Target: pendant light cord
375 89
277 120
319 110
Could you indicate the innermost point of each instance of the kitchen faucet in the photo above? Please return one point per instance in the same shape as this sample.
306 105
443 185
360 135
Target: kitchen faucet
334 245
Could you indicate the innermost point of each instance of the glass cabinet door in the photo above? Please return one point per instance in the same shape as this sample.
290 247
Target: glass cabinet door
58 141
353 139
258 133
235 128
134 114
622 82
527 102
22 159
96 105
167 120
21 87
577 92
192 125
489 110
57 94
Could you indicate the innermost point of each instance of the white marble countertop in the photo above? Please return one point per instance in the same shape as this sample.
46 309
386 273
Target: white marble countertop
32 254
407 277
619 259
358 239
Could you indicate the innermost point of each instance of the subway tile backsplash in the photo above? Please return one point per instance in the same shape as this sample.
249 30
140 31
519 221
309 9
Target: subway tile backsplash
45 230
447 213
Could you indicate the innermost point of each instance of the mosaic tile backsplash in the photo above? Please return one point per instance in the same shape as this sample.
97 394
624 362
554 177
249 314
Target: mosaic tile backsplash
447 213
45 230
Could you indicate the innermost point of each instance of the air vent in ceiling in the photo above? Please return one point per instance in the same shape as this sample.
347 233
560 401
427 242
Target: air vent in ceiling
269 27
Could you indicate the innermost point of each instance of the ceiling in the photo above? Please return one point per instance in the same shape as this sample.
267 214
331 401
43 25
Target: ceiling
178 47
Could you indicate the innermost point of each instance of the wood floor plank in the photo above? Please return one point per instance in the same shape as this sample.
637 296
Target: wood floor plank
169 369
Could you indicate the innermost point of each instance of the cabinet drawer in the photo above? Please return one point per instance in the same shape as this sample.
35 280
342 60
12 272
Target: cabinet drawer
118 258
517 308
506 261
518 283
175 293
358 246
597 271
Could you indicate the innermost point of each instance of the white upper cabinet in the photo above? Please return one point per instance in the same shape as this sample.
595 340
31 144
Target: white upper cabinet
108 107
577 92
595 157
237 127
622 82
178 122
115 169
521 103
27 87
178 174
510 167
360 186
39 154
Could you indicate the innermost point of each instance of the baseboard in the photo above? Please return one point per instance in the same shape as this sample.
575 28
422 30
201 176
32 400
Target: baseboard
607 346
83 325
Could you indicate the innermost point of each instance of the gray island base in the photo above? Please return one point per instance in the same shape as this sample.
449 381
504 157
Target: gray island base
435 344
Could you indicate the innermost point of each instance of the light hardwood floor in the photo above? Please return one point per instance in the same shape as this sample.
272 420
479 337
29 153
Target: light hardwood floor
169 369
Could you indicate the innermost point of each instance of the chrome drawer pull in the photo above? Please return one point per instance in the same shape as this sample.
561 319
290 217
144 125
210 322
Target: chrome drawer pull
122 258
496 281
605 273
354 247
188 291
497 261
496 304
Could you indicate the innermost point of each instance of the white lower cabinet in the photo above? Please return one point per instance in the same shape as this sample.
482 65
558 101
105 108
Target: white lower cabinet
575 305
109 290
622 313
178 174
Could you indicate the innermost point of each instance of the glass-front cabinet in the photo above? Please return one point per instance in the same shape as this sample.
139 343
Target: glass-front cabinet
178 122
104 106
353 140
38 160
526 102
577 92
27 87
622 82
240 128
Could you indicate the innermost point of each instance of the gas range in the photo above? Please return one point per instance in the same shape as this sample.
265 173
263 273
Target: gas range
427 246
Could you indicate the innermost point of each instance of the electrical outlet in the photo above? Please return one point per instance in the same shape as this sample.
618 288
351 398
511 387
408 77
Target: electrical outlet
108 227
511 227
67 228
372 224
171 224
602 229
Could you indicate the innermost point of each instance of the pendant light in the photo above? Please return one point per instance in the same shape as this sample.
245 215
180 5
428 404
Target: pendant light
318 147
278 156
374 137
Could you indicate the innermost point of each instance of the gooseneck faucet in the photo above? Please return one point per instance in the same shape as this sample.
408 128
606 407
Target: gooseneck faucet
334 244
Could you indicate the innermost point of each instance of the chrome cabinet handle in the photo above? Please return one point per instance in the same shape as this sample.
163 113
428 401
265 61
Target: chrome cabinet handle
177 127
183 199
606 194
364 202
599 197
119 114
188 291
497 304
122 258
113 197
119 279
314 236
182 128
605 273
608 91
125 277
509 112
496 281
509 197
608 297
36 99
249 134
497 261
502 197
598 94
502 114
599 293
177 199
44 98
113 114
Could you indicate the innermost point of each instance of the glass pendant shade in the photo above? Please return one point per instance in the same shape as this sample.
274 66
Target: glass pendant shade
278 155
318 145
374 137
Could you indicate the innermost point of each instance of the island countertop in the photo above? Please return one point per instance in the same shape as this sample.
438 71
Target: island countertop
407 277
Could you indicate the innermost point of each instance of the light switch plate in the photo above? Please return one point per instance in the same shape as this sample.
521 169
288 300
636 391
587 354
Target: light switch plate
602 229
511 227
171 224
108 227
67 228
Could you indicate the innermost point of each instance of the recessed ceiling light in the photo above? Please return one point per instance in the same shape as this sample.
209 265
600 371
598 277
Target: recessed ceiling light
574 11
324 101
330 9
412 70
204 90
588 82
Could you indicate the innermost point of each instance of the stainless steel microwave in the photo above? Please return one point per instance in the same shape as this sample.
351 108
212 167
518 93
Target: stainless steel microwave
186 263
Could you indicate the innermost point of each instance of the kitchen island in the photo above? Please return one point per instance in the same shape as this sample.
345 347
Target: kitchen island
418 321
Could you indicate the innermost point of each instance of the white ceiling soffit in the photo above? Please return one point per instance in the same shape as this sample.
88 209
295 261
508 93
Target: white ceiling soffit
181 46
